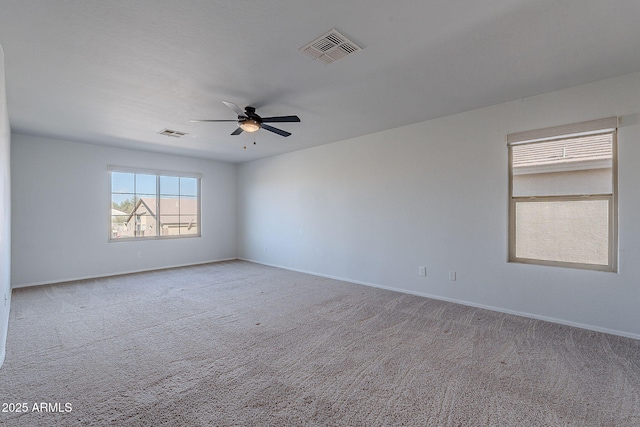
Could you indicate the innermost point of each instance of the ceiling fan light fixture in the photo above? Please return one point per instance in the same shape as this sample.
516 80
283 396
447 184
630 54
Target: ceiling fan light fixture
249 125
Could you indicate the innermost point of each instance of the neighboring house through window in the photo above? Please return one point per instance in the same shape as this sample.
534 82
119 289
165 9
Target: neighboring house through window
147 204
562 183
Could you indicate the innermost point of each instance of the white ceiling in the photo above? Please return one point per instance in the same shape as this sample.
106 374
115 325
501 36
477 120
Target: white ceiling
115 72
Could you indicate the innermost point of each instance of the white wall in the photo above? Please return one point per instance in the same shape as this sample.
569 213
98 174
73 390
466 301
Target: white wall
61 207
5 214
374 208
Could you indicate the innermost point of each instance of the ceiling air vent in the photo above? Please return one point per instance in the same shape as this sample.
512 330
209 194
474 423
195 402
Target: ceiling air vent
172 133
330 47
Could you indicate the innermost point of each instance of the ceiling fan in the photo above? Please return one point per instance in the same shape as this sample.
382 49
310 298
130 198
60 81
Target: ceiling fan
249 121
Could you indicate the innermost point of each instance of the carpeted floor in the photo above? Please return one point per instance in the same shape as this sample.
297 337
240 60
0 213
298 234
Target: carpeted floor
237 343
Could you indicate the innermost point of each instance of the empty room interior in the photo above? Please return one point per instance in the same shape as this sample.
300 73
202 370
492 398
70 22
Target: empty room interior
320 213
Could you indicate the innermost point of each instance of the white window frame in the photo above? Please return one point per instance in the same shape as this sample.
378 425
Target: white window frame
158 174
594 127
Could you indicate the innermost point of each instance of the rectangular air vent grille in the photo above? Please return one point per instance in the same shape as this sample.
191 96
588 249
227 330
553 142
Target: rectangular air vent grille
330 47
172 133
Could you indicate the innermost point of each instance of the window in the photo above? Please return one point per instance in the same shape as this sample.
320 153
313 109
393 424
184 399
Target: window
147 204
562 184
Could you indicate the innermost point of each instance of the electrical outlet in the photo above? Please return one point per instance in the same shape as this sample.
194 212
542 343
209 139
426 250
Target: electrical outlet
452 276
422 271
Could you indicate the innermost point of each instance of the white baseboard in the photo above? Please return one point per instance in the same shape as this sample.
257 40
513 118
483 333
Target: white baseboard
463 302
119 273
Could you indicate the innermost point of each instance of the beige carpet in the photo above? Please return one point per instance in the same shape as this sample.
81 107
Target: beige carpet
237 343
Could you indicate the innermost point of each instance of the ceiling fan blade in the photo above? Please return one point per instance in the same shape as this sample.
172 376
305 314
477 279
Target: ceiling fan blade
239 111
275 130
196 121
237 131
281 119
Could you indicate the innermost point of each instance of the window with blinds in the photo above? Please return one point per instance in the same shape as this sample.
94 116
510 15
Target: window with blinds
562 183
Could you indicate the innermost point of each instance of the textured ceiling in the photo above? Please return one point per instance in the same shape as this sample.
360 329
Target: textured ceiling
116 72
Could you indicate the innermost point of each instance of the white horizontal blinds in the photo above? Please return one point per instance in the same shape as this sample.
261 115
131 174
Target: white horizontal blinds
591 127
